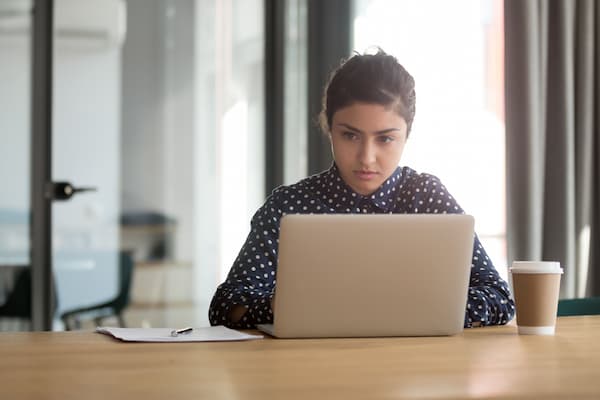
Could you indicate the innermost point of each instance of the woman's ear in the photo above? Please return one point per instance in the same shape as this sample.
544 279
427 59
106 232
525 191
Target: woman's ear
331 144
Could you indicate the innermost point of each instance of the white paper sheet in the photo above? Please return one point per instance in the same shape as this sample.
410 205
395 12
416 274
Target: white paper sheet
206 334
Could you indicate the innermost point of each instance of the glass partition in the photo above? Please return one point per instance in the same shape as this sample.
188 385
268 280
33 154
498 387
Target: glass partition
15 157
158 106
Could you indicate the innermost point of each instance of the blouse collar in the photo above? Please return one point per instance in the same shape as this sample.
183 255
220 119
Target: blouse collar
342 198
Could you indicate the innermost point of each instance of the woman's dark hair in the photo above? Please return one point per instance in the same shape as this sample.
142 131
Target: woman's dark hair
369 78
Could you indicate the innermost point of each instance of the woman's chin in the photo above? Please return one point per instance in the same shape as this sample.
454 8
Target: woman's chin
365 188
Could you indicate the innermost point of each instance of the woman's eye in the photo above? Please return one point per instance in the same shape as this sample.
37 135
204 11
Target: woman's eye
349 135
386 139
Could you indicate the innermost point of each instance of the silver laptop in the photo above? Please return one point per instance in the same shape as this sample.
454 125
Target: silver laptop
372 275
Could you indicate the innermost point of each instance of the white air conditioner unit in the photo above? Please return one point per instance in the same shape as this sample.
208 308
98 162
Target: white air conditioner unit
80 23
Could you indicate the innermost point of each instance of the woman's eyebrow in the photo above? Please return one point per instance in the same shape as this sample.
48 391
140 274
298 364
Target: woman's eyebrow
381 132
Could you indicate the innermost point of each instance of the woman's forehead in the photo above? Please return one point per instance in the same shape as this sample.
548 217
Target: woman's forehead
368 115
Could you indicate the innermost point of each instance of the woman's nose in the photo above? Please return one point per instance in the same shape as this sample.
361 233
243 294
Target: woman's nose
367 153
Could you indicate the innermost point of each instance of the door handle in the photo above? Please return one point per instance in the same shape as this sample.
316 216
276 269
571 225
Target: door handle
65 190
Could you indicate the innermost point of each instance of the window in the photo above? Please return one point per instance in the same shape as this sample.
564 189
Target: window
454 50
229 126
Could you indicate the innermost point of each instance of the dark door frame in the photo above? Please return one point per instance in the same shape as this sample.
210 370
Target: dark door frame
329 42
41 166
275 11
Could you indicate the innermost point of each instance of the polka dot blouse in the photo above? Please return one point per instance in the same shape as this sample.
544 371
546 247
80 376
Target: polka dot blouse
251 280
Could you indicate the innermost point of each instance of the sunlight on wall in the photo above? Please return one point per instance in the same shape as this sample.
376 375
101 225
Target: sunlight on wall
233 219
583 263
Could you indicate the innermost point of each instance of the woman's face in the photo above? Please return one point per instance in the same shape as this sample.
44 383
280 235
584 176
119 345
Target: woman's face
367 141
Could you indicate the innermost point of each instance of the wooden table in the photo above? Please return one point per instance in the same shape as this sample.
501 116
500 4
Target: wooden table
480 363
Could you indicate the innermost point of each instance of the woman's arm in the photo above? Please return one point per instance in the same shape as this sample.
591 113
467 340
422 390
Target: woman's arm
237 312
489 301
244 299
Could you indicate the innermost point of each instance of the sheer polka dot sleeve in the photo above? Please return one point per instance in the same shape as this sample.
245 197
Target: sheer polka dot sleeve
251 280
489 301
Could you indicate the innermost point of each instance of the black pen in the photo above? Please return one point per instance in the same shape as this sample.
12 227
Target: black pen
182 331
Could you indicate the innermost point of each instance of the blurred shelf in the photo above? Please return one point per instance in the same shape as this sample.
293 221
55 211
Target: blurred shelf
162 264
148 229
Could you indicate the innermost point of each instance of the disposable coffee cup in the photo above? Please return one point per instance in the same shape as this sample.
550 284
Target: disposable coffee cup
536 286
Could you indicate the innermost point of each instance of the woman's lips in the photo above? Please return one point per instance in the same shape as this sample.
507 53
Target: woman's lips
365 175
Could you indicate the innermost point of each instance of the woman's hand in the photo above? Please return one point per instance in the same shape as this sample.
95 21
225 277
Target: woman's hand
237 312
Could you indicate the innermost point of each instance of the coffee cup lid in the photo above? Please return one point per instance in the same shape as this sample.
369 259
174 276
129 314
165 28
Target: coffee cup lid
536 267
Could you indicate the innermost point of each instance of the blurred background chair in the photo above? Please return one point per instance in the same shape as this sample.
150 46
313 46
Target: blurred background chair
17 306
583 306
110 309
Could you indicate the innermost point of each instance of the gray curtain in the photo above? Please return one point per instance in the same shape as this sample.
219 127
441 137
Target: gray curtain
552 50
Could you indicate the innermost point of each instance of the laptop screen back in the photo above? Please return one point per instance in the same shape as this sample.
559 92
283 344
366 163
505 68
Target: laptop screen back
372 275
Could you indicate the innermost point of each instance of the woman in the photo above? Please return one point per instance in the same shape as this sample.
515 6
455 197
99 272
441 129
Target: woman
368 110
